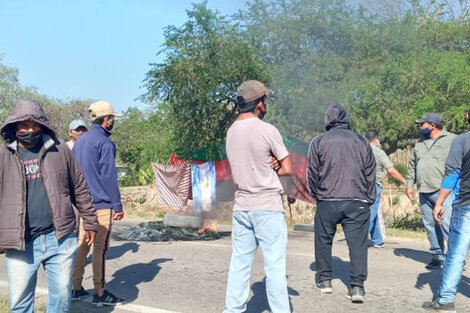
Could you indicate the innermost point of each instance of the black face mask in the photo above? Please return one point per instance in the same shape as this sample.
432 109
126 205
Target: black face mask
29 138
262 114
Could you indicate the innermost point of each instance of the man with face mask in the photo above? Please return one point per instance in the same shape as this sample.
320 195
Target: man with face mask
76 129
383 165
40 184
258 213
96 153
456 182
426 169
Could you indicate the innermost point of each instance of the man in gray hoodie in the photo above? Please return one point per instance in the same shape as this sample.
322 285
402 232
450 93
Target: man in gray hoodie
40 182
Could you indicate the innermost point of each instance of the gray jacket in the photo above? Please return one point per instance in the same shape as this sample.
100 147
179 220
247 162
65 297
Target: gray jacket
63 179
427 163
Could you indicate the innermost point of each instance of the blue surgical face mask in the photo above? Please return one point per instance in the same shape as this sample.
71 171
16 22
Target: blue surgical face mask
425 133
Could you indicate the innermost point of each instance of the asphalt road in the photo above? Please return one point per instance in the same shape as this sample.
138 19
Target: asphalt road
190 277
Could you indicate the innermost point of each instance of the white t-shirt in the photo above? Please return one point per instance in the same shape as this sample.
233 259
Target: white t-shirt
250 145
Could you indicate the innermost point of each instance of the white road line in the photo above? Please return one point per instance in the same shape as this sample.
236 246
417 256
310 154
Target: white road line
127 307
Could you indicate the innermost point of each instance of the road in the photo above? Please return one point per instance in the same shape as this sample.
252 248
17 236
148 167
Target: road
190 277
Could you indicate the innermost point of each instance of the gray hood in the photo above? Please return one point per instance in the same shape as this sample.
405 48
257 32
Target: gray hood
26 110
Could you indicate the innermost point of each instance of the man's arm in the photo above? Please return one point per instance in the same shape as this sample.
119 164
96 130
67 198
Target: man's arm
313 169
411 176
285 168
108 175
396 174
80 196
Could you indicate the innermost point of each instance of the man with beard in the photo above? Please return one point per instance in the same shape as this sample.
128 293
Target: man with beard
257 156
457 182
341 178
40 182
426 168
96 153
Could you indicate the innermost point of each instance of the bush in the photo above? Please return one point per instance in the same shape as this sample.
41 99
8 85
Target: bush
402 169
409 222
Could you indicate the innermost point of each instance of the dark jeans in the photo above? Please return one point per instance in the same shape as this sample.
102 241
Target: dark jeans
354 217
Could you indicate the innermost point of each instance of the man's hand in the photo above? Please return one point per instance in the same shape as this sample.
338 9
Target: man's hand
438 213
90 237
118 216
275 165
410 194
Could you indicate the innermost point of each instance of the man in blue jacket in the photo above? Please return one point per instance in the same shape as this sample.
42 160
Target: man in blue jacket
95 153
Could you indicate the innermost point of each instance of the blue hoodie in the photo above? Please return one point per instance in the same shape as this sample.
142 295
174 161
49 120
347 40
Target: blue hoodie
96 153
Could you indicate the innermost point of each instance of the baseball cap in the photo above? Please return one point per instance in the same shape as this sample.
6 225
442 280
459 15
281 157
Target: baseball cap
252 90
76 124
430 118
100 109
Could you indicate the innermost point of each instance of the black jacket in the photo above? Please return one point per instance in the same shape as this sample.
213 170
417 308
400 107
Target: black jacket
341 165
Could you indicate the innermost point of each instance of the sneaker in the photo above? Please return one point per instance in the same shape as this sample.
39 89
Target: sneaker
380 246
106 299
79 294
356 294
435 263
325 286
437 307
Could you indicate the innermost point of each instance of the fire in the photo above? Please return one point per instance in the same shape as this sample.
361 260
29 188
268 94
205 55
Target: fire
208 225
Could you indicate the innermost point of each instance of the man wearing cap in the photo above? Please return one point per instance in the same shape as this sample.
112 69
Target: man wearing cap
96 153
426 168
258 213
76 129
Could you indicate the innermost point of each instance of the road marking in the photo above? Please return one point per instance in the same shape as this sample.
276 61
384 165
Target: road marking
126 307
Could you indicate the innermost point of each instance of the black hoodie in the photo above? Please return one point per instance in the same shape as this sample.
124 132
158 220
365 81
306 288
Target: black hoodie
341 165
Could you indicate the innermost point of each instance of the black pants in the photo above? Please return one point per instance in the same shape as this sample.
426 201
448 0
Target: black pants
354 217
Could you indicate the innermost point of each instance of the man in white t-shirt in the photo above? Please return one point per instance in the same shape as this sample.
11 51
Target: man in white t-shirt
257 157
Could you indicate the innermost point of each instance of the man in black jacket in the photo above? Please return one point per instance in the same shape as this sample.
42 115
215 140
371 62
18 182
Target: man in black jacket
341 178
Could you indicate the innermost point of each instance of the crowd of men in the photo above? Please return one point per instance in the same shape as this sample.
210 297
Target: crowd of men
49 189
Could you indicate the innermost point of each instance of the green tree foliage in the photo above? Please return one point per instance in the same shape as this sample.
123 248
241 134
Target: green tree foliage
206 59
60 113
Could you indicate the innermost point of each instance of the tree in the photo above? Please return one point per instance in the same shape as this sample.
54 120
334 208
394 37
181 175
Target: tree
205 61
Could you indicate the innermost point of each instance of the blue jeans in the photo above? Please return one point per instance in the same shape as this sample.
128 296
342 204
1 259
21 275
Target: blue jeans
436 234
57 258
250 229
374 224
459 243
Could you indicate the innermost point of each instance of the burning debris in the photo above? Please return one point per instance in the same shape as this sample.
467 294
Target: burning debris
157 231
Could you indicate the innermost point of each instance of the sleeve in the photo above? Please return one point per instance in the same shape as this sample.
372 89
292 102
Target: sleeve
384 160
278 148
313 169
453 165
411 174
369 173
109 174
80 194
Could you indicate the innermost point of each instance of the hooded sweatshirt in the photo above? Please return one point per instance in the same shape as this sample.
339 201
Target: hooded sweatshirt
64 182
341 164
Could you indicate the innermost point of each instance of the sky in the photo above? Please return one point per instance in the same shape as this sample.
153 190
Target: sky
91 49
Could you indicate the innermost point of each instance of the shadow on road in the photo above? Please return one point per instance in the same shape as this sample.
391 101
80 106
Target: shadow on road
116 251
431 277
124 284
340 270
259 302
